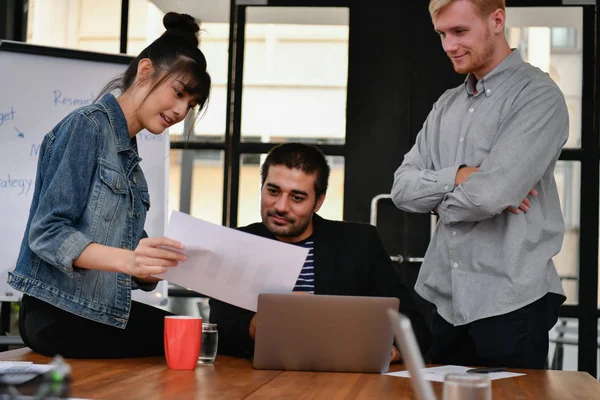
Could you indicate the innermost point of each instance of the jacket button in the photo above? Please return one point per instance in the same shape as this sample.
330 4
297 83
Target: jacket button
134 180
137 215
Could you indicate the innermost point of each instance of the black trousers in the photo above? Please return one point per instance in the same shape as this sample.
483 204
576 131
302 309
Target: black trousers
518 339
48 330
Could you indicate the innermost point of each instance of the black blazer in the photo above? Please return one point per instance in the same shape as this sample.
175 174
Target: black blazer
349 260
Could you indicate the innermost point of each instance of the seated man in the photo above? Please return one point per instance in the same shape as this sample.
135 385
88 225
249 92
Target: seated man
344 258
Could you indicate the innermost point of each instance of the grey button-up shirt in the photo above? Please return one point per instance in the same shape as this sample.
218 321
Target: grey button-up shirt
484 260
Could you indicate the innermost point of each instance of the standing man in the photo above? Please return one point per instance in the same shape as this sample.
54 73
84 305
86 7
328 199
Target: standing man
344 258
484 161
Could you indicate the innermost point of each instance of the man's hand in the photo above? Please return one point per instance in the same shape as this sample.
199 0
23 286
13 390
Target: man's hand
525 204
463 174
396 356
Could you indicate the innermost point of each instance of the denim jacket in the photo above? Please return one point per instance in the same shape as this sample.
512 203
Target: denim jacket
89 189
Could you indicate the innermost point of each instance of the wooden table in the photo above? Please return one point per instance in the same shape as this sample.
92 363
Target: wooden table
233 378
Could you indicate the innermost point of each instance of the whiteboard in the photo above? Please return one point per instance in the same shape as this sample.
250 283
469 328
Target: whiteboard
36 92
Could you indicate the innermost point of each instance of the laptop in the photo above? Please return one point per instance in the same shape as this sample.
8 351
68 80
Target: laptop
411 355
323 333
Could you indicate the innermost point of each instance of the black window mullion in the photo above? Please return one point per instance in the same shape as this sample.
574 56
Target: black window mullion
572 154
124 26
191 145
13 20
261 148
534 3
590 174
234 114
309 3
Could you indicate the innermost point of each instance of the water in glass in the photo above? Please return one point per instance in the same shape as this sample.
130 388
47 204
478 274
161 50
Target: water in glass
467 387
210 341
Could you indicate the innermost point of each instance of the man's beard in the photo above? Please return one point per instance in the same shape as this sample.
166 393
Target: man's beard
479 60
290 230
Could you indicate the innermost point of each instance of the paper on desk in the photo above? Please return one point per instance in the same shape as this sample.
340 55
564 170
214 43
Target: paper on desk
230 265
18 372
437 373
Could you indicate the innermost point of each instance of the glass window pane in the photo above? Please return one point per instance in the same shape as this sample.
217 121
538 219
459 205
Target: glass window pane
563 38
562 353
214 43
249 194
568 178
144 25
550 38
93 25
206 183
295 74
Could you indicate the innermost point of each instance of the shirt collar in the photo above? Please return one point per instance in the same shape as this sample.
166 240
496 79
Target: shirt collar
118 122
489 83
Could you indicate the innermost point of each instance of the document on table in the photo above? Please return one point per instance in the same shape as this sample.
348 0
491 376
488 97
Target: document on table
18 372
230 265
437 373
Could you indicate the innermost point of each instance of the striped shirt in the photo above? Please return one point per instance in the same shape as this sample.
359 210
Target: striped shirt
306 279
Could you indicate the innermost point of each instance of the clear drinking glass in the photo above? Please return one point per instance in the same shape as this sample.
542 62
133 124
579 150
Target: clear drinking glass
210 342
467 387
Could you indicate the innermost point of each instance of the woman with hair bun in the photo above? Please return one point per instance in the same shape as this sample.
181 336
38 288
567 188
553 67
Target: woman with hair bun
85 248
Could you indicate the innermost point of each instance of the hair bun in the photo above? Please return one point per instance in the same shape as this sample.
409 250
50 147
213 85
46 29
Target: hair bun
183 22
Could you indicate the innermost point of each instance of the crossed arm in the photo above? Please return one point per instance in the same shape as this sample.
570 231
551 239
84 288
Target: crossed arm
530 138
463 174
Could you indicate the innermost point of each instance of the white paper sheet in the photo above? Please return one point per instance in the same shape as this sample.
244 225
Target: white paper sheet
231 265
17 372
437 374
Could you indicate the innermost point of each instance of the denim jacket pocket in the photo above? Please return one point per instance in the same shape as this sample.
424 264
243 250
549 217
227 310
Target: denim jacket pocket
111 193
146 198
113 178
139 181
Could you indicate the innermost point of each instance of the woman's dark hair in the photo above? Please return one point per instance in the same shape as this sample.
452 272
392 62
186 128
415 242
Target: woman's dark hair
299 156
174 53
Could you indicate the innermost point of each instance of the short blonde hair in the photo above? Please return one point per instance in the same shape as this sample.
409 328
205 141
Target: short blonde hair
485 7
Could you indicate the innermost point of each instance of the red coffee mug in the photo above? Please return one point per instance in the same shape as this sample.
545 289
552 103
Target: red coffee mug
183 335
